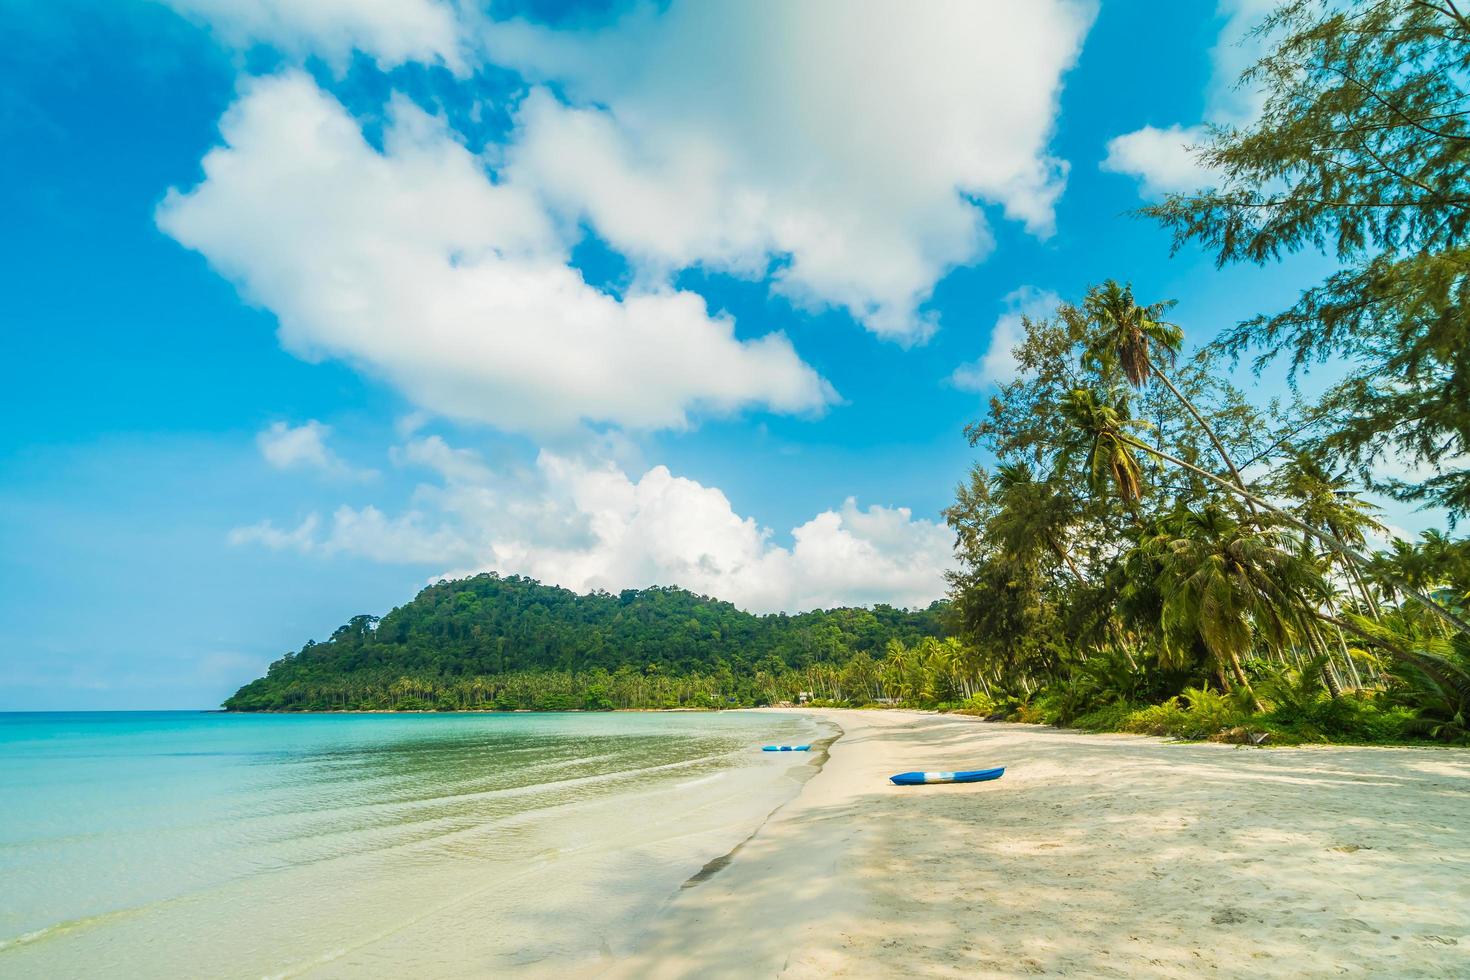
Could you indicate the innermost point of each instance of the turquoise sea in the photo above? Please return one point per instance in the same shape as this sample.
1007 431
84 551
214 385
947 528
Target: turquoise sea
192 844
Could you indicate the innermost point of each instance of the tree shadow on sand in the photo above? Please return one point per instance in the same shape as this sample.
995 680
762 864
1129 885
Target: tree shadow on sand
1096 856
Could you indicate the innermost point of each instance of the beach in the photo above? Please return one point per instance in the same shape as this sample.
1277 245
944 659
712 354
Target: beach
667 845
1095 855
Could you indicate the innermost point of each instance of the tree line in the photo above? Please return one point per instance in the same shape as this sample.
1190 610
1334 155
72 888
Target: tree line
511 643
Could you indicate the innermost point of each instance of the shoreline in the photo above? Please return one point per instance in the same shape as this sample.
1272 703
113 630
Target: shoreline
1096 854
815 764
1269 744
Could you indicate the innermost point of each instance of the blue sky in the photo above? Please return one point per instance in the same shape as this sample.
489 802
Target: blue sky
611 295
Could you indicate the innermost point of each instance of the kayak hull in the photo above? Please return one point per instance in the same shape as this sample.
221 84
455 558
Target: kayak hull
963 776
787 748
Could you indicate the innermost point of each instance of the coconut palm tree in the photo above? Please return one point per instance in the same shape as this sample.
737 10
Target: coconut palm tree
1110 458
1228 587
896 670
1138 341
1332 504
1105 428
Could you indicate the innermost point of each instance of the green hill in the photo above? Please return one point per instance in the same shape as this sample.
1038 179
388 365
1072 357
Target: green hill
512 643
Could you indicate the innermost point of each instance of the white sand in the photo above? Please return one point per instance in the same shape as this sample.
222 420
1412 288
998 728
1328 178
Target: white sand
1094 856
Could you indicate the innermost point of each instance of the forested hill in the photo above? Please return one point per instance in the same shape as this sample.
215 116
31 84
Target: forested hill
511 642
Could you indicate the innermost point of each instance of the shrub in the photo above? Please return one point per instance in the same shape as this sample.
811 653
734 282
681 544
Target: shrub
1029 714
976 704
596 699
1348 718
1109 718
1206 713
1157 719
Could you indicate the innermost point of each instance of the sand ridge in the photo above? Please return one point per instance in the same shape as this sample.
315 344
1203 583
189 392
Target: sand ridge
1096 855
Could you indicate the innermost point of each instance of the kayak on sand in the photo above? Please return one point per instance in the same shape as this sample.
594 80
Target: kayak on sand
925 778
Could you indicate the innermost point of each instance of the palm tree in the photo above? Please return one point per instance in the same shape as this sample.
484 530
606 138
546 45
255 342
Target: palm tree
1035 514
1226 587
1106 426
1330 502
1433 672
897 665
1110 457
1134 338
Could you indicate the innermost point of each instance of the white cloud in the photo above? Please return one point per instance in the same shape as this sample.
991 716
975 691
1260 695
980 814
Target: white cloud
998 364
304 446
586 524
366 532
392 32
416 266
302 537
1161 158
846 155
849 148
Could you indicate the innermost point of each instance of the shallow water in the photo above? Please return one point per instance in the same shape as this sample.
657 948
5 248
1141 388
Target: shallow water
202 844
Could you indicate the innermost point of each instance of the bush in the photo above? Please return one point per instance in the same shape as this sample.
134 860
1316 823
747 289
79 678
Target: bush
976 704
1349 718
1157 719
1029 714
596 699
1109 718
1065 701
1206 713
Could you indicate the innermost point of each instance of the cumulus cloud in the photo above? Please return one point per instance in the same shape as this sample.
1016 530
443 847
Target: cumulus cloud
846 155
392 32
586 524
417 267
998 364
285 447
1163 159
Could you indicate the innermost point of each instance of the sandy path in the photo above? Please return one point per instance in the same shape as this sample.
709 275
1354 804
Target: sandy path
1094 856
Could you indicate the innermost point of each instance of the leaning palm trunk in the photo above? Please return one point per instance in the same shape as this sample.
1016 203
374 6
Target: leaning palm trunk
1329 669
1440 672
1331 540
1245 684
1210 432
1351 663
1370 603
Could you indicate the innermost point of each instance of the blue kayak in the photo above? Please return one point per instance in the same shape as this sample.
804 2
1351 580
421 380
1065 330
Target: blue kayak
925 778
787 748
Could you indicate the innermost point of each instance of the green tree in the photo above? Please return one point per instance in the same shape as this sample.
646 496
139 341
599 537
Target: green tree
1101 424
1228 587
1136 339
1103 427
1362 150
